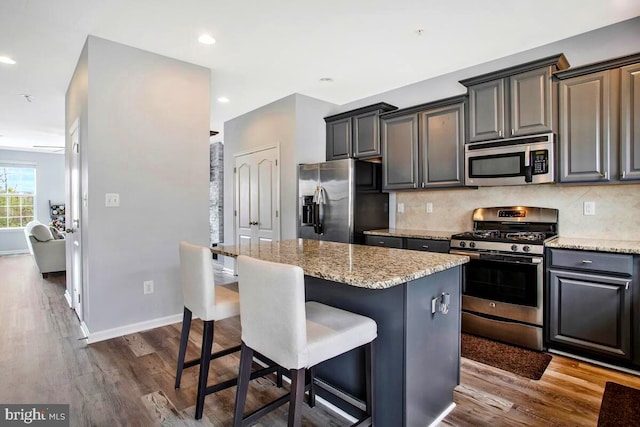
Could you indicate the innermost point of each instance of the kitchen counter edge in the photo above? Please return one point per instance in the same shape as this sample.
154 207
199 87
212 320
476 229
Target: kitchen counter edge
411 265
597 245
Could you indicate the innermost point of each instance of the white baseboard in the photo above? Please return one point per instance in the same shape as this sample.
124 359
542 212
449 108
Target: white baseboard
594 362
443 415
84 329
107 334
67 296
15 252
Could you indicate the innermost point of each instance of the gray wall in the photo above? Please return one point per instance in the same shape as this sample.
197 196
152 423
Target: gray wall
147 119
49 186
604 43
295 124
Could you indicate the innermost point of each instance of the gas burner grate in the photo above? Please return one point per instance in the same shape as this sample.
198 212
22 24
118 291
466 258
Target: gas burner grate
485 234
526 235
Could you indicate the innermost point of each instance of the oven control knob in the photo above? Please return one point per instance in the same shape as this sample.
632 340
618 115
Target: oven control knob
526 248
463 244
514 248
472 244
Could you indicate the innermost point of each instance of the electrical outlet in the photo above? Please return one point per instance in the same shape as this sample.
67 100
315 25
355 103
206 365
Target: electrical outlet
148 286
429 207
589 208
401 207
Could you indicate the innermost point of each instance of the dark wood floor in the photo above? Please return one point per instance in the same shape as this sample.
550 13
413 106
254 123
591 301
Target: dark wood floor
129 380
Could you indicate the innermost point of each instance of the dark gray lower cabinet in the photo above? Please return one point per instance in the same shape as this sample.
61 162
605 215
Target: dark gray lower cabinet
429 245
386 241
590 312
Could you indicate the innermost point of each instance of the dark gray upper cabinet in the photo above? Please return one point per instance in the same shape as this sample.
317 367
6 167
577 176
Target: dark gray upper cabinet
400 152
515 101
441 149
630 122
423 146
355 133
339 139
600 121
585 134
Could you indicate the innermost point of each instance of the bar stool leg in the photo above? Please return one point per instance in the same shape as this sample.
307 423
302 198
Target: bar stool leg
184 338
205 360
296 397
369 350
246 358
311 401
279 377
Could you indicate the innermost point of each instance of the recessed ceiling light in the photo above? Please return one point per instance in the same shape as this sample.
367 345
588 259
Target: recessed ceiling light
206 39
7 60
326 79
223 99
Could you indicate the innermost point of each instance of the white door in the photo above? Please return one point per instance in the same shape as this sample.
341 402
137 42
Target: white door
74 235
257 196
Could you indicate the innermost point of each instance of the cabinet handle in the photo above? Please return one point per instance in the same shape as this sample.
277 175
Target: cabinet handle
513 132
624 174
381 243
626 286
425 246
586 261
422 185
415 185
500 133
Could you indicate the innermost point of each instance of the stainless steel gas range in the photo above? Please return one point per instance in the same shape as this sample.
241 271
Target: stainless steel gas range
502 293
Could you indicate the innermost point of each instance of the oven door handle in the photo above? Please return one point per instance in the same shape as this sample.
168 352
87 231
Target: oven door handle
472 255
531 260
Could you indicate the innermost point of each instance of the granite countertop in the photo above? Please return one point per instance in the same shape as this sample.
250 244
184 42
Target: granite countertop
599 245
407 232
356 265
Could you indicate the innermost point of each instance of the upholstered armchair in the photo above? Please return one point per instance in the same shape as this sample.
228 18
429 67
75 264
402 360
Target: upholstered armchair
47 250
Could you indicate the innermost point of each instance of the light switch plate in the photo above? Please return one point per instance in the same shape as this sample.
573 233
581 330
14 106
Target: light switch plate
112 200
429 207
401 207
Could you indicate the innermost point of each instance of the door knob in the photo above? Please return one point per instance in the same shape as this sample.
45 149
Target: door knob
70 230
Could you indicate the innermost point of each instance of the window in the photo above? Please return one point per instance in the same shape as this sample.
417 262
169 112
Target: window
17 195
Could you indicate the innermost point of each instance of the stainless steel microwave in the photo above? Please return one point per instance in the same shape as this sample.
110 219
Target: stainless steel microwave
513 161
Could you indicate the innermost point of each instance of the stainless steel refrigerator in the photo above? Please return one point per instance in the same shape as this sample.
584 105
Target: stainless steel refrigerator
340 199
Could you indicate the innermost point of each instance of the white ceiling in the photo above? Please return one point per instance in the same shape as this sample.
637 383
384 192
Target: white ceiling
268 49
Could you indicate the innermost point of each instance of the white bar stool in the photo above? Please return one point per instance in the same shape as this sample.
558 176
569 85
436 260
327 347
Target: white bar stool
277 323
209 303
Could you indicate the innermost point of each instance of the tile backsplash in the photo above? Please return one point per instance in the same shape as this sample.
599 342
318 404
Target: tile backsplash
617 208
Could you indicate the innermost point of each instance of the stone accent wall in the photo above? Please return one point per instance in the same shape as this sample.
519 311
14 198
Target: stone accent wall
216 192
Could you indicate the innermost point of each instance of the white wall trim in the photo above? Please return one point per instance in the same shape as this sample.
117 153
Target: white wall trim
15 252
67 296
130 329
84 329
442 415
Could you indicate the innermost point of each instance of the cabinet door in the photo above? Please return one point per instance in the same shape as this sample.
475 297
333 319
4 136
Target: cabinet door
590 312
531 102
630 122
585 128
486 111
339 139
400 152
366 135
441 149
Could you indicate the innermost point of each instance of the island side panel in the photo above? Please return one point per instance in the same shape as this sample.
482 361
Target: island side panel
433 346
387 308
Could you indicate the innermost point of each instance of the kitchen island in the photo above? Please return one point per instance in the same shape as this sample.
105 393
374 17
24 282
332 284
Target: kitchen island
417 361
